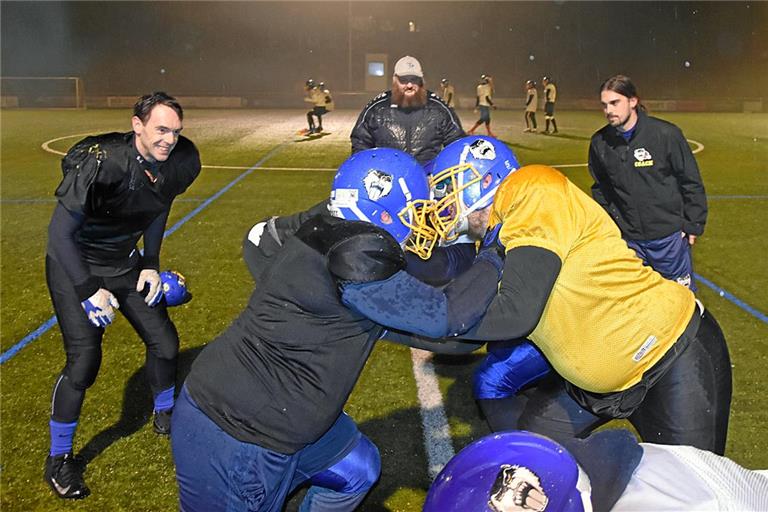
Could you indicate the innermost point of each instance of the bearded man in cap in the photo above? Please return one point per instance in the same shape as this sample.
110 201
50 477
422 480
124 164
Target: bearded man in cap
408 117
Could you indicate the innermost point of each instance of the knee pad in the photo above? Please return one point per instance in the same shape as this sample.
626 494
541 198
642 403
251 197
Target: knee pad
82 367
355 473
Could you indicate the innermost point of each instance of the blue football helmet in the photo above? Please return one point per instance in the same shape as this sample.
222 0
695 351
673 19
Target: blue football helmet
465 178
388 188
513 470
175 288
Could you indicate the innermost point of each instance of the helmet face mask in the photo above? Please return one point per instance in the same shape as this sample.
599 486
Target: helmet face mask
450 212
467 174
388 188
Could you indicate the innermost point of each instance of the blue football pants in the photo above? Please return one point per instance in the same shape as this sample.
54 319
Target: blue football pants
216 472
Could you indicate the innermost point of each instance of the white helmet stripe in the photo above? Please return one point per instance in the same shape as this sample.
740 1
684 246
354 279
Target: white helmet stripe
358 212
405 189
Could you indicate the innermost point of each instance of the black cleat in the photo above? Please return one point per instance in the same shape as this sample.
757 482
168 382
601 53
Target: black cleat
64 473
162 422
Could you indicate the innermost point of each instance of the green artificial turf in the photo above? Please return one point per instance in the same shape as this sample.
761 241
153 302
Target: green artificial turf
130 468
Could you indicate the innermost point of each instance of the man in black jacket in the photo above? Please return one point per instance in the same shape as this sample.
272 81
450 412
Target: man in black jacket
647 179
117 188
408 117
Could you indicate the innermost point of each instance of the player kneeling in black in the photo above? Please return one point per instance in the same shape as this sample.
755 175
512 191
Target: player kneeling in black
261 411
117 188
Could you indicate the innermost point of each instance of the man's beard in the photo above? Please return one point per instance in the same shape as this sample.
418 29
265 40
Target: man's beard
418 100
620 122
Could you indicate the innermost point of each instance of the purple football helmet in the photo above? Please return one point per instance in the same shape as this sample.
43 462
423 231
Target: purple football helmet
511 471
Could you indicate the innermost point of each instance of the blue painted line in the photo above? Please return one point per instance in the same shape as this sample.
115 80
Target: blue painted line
54 200
727 295
29 338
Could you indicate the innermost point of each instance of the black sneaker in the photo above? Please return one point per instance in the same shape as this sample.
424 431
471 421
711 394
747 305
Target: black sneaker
162 422
64 473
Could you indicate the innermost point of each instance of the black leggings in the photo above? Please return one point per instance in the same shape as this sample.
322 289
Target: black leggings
82 340
689 404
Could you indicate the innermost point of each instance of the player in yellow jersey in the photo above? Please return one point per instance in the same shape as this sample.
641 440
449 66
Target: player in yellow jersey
550 97
626 342
319 98
448 92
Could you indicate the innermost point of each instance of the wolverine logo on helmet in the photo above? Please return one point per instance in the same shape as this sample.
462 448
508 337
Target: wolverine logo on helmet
377 184
482 149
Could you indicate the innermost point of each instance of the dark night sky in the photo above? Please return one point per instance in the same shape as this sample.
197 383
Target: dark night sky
246 48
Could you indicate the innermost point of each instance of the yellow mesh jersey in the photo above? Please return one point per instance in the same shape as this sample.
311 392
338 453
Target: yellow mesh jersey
318 97
550 92
608 318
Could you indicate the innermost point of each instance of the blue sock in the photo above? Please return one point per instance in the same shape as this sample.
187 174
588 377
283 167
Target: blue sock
62 435
164 399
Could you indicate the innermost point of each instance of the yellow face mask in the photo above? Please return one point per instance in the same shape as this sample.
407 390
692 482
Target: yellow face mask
450 210
416 216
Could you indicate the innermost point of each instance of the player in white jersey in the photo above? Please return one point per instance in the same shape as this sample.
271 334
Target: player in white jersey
531 104
484 104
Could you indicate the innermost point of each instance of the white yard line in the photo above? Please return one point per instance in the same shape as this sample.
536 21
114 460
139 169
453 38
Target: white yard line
437 432
319 169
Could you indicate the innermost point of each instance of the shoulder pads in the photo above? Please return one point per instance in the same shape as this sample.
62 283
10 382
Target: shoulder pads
98 146
356 251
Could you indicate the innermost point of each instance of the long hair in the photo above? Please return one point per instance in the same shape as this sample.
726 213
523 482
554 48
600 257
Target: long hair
623 85
417 101
146 103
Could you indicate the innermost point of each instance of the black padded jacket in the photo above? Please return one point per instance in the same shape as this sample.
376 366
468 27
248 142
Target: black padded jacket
420 132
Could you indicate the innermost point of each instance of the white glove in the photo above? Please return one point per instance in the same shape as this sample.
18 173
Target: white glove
100 307
150 277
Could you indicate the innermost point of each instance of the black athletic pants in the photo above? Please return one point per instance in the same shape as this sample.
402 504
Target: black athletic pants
319 112
82 340
689 404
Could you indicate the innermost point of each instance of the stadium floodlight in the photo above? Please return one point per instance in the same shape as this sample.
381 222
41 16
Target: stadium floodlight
42 92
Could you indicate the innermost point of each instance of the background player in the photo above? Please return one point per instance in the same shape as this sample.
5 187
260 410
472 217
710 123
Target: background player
531 104
117 188
484 103
317 98
550 97
448 92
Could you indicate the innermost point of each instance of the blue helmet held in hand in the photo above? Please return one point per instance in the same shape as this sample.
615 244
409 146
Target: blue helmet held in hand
175 288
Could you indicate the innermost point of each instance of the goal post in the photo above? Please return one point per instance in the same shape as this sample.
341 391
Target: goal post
42 91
